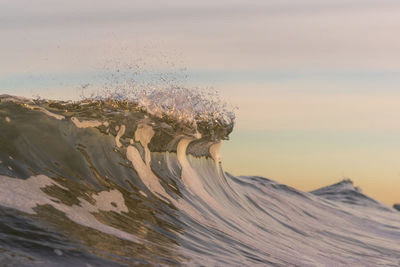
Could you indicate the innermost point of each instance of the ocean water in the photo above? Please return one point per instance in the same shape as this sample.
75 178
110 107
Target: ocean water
117 182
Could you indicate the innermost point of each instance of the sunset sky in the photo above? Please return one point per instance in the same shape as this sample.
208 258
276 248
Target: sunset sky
317 82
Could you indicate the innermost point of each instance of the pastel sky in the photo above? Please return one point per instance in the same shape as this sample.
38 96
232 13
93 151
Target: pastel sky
316 81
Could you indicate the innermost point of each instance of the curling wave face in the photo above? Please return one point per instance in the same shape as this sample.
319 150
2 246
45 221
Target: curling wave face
106 182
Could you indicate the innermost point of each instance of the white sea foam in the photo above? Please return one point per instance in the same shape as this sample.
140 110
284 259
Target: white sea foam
214 151
26 195
143 134
110 201
29 103
189 176
118 136
45 111
86 124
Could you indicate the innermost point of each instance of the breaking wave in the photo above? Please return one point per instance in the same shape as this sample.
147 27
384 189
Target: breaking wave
121 181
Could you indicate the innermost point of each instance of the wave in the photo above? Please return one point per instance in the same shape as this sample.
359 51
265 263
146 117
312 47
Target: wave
346 192
113 182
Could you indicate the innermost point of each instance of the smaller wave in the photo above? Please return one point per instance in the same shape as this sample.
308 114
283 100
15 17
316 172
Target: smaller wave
345 191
